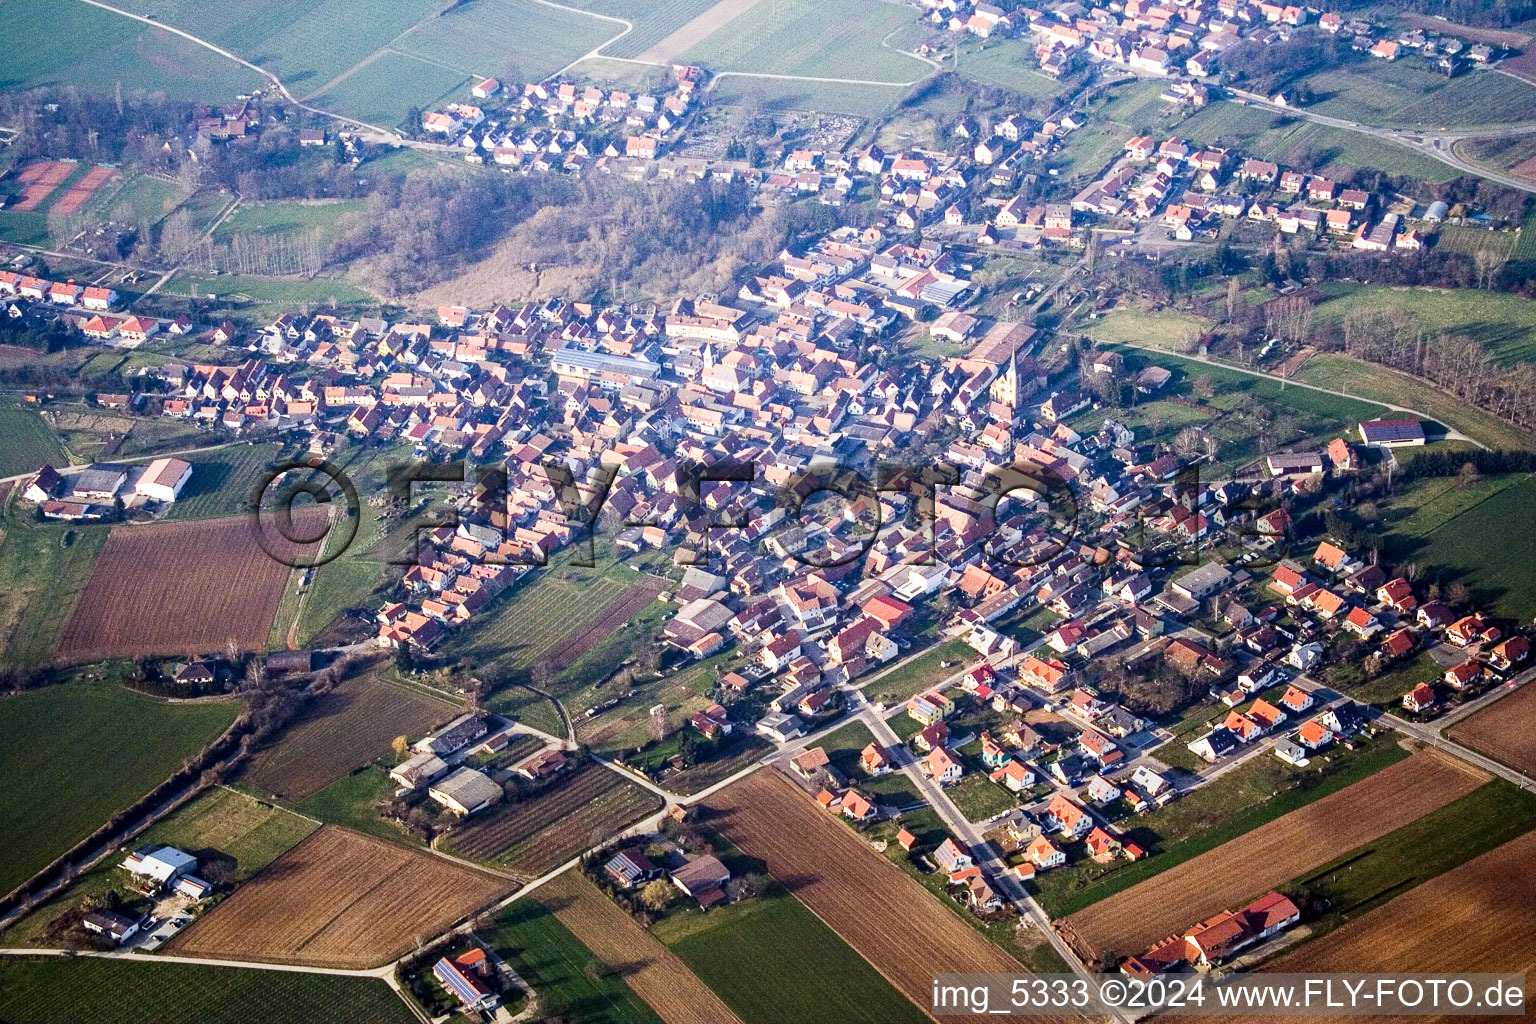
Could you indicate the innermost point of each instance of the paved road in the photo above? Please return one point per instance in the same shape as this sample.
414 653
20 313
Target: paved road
1438 145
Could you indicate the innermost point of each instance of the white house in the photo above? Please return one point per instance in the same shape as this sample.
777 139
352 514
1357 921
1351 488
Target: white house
163 479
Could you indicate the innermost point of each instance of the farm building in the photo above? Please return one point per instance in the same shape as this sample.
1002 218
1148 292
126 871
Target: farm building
1392 433
703 877
159 865
463 977
465 791
163 479
456 735
100 481
416 770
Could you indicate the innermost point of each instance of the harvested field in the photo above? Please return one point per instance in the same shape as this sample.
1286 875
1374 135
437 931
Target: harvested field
177 588
574 813
614 614
340 899
1505 731
1478 917
888 918
81 191
41 179
1136 918
341 731
651 969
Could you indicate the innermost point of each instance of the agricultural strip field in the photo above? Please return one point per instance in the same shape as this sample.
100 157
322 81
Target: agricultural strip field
55 796
531 623
578 810
58 990
339 899
68 43
1481 915
29 442
651 970
222 481
43 569
177 588
373 91
488 37
885 916
565 973
1135 918
1505 731
1479 547
705 22
831 39
343 730
613 615
653 20
804 970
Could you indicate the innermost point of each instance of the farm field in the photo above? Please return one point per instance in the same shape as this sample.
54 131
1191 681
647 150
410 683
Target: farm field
885 916
245 833
777 94
1379 384
1373 873
212 585
533 623
305 42
1478 547
653 20
1505 731
288 218
58 990
1010 64
566 974
29 442
654 972
349 802
1246 866
519 40
1165 329
339 899
373 91
343 730
805 971
43 568
47 48
578 810
1481 915
1406 94
222 481
331 290
839 39
55 796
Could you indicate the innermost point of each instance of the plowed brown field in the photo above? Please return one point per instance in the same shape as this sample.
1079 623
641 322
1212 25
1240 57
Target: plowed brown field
1505 731
890 920
341 731
178 588
1478 917
655 973
340 899
1136 918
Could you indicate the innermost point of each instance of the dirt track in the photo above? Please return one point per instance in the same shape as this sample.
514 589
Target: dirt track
651 969
894 923
1136 918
